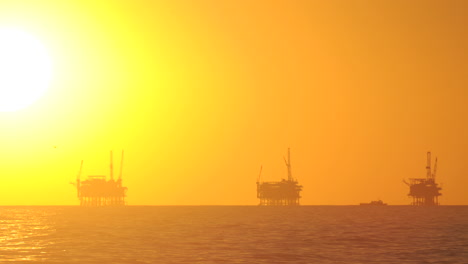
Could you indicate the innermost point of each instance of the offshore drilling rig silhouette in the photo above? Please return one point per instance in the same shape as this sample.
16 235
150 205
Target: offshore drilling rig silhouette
97 191
425 191
284 192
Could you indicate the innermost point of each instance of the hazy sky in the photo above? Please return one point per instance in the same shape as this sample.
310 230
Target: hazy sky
200 94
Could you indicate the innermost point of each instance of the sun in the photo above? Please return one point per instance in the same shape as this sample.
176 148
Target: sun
25 69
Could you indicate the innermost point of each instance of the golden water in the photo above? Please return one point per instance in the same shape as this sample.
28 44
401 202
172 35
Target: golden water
234 234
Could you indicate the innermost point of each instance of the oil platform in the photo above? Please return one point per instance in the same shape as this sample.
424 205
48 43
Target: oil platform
284 192
425 191
96 190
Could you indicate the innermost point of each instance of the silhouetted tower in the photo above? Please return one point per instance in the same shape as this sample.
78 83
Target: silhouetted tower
111 167
97 191
425 191
284 192
119 180
288 165
78 176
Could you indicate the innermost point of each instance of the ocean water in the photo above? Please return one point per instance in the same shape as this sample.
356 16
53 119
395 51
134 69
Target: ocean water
234 234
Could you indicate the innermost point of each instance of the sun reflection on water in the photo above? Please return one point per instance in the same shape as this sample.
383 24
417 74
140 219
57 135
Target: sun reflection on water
25 234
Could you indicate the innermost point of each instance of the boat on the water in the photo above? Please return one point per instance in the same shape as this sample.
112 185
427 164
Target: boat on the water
377 203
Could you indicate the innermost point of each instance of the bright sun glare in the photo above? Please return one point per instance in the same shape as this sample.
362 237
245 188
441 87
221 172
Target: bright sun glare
25 69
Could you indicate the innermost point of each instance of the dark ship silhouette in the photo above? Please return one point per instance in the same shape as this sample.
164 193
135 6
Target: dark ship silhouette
374 203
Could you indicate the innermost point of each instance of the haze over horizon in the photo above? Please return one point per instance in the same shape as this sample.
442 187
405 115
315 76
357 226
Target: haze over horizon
201 94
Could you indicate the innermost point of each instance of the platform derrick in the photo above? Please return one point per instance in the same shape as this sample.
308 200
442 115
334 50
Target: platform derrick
96 190
425 191
284 192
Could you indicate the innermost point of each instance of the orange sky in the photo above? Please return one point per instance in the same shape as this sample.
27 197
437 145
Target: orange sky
201 93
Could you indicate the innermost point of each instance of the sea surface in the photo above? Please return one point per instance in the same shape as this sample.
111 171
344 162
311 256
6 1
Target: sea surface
234 234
